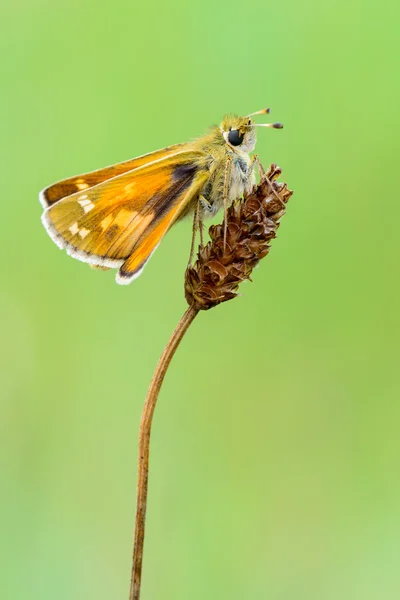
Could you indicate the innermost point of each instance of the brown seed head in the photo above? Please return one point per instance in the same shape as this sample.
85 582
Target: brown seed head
251 225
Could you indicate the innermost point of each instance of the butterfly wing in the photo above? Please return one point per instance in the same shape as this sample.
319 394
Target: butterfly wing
79 183
133 266
120 221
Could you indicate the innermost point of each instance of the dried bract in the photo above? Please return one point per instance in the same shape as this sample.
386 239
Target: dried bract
251 225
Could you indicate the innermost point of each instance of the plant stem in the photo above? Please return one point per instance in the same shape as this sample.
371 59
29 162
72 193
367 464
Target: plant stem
144 447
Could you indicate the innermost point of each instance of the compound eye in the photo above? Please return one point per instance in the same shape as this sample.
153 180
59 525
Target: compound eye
235 137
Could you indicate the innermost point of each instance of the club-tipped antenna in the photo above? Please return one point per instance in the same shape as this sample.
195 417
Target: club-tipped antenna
273 125
263 111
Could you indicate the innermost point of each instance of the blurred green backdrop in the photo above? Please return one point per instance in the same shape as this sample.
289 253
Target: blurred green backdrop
275 451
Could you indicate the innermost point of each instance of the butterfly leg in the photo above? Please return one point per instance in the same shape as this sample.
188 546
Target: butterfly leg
196 226
206 210
262 173
201 231
225 196
201 226
256 161
203 206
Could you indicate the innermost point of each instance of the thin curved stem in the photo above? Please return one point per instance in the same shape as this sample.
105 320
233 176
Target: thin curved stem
144 448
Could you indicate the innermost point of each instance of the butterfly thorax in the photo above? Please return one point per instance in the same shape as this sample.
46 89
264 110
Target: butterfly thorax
220 156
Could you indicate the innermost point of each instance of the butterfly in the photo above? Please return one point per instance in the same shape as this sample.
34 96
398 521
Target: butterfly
115 217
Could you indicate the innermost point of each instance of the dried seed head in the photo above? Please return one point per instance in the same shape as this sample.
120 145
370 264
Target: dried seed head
251 225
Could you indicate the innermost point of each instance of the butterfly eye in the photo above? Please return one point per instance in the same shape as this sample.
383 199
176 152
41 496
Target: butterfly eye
235 137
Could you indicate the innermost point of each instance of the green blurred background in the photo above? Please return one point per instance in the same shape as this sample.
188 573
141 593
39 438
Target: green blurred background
275 450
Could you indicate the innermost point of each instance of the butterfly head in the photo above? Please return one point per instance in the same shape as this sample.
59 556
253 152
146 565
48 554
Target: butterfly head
240 132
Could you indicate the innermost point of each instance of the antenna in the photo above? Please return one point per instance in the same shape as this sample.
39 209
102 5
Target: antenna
273 125
263 111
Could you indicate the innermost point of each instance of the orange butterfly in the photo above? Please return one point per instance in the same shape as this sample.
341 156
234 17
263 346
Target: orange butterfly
116 217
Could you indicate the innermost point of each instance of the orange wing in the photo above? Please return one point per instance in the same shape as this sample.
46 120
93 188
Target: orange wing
72 185
119 222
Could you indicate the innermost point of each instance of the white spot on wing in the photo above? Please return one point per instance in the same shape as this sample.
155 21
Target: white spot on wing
92 259
86 204
84 232
81 185
74 229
